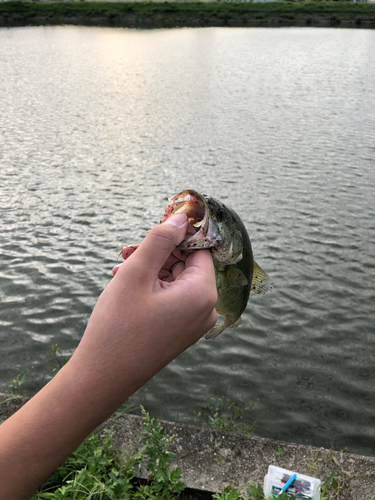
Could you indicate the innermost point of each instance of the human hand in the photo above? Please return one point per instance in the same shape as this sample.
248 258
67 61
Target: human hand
159 302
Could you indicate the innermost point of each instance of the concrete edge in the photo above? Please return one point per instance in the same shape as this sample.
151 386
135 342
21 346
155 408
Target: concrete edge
211 460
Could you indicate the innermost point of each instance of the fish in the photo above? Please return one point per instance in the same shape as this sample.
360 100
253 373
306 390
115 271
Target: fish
213 225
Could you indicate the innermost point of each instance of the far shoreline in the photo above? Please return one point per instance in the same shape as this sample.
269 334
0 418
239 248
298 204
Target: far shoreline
188 14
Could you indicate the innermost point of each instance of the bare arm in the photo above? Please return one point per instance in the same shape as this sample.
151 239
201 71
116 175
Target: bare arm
139 324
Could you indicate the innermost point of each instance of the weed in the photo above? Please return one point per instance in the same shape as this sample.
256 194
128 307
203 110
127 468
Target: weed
58 358
280 452
17 383
228 494
337 479
225 415
253 492
93 471
163 482
14 387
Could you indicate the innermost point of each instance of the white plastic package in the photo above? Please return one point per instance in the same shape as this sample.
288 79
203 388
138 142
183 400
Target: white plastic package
302 488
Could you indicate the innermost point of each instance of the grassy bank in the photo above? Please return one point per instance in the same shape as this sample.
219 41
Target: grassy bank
169 14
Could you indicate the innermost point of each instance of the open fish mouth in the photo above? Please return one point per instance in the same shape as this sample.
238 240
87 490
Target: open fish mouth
202 231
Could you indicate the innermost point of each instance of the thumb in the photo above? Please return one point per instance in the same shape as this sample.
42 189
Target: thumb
159 243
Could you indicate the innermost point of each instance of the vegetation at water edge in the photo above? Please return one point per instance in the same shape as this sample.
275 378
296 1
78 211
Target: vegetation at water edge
231 13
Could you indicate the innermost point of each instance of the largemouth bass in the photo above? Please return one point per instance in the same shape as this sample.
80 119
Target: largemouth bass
213 225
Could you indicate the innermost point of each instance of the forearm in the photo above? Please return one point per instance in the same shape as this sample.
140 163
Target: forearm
82 395
40 436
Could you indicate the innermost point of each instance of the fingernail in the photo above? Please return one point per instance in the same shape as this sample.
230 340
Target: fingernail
177 220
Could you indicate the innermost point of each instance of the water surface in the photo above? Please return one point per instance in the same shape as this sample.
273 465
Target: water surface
99 126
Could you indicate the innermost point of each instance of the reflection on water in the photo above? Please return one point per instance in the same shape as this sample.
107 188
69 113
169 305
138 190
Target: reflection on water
100 126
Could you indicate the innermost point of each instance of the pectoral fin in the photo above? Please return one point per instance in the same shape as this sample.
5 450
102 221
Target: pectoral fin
261 282
235 277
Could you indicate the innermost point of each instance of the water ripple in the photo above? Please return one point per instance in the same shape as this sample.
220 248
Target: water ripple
278 124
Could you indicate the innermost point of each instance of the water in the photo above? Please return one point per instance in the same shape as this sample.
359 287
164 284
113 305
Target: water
100 126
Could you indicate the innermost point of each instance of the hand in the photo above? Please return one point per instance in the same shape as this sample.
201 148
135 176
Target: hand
159 302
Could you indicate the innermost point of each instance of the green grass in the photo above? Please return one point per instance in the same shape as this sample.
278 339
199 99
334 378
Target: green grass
93 470
22 12
225 415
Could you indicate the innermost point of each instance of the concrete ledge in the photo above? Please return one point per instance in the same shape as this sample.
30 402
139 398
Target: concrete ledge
211 460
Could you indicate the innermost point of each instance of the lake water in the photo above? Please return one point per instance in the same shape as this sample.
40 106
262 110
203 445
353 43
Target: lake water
99 126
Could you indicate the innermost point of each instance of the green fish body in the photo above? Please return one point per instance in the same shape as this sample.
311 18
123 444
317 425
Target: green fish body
213 225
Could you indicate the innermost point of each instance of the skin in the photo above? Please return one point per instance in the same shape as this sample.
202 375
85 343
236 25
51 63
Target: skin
140 323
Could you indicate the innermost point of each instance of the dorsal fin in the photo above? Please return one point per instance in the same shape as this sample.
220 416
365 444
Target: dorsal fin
261 282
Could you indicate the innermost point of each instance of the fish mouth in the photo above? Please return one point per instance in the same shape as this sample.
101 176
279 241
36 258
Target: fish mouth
202 231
